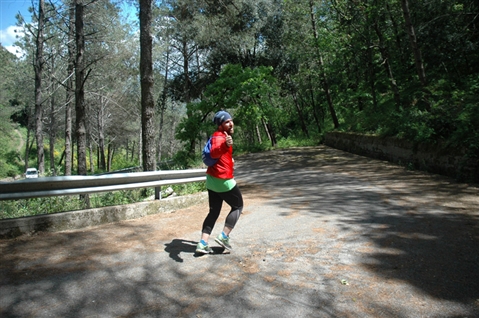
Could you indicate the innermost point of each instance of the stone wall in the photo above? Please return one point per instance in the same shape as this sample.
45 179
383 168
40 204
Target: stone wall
432 158
11 228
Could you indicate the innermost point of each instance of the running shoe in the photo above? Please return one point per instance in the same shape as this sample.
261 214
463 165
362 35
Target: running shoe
203 249
223 241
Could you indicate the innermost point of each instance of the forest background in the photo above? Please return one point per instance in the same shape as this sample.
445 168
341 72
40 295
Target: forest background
94 92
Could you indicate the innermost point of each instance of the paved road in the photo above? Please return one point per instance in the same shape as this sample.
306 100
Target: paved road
324 234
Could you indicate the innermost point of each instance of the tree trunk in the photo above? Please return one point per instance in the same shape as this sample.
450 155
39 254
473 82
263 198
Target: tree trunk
101 137
79 89
90 156
416 51
27 147
272 134
70 94
127 150
111 150
80 107
133 151
371 71
323 73
61 158
266 130
140 148
162 103
184 17
39 63
387 66
186 88
299 110
413 41
313 103
52 123
258 134
146 79
397 36
186 70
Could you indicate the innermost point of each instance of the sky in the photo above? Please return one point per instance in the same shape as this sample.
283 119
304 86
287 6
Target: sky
8 10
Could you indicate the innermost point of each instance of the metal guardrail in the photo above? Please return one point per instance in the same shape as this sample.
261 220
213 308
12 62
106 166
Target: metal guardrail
125 170
72 185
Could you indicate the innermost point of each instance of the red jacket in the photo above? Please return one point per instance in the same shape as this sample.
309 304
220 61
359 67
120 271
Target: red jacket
224 167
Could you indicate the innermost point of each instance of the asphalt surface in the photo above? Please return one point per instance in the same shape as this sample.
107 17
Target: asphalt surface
324 233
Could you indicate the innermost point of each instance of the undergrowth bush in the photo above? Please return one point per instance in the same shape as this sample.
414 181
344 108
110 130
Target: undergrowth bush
189 188
38 206
297 141
240 148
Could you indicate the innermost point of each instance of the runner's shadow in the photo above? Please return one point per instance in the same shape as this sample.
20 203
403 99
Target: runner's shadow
178 246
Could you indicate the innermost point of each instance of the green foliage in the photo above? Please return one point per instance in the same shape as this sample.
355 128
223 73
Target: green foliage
245 147
119 197
459 117
297 141
184 160
246 92
11 163
414 125
120 162
8 170
189 188
7 74
38 206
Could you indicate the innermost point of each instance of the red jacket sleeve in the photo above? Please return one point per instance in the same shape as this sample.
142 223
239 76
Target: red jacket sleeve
218 145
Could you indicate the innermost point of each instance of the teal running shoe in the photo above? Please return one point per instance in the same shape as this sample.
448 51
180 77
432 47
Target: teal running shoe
203 249
223 241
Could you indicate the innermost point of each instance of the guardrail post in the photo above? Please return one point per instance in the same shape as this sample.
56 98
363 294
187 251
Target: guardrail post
158 193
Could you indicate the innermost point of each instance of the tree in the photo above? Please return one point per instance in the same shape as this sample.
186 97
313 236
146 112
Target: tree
324 79
80 78
245 91
146 79
418 62
69 89
38 66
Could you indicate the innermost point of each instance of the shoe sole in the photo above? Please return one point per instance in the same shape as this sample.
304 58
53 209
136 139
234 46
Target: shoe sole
222 244
202 252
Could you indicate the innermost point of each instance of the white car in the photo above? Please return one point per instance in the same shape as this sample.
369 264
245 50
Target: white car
31 173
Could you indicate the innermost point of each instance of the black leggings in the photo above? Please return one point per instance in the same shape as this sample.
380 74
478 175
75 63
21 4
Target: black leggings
233 198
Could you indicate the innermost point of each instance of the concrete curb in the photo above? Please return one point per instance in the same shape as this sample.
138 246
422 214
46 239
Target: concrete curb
11 228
